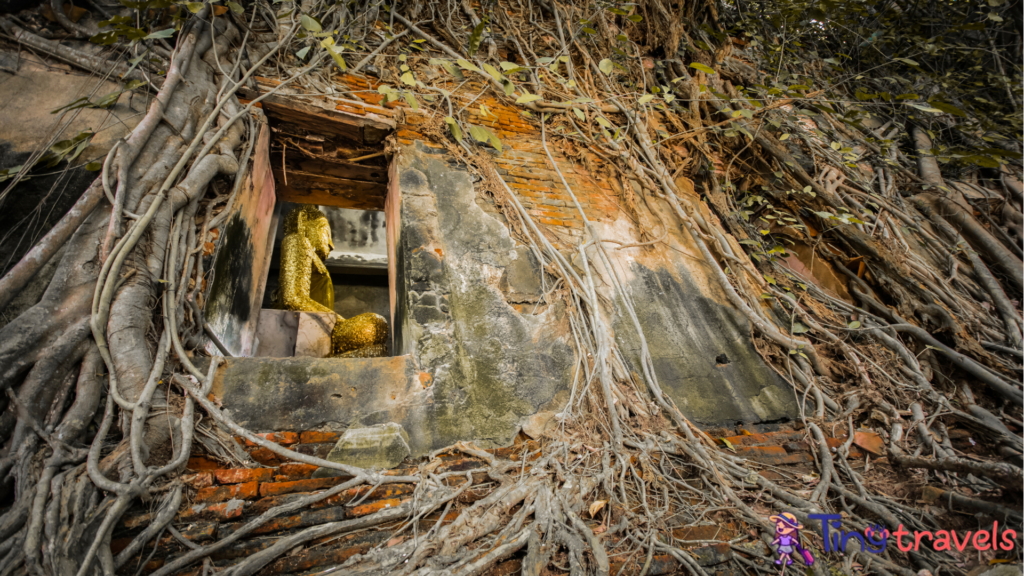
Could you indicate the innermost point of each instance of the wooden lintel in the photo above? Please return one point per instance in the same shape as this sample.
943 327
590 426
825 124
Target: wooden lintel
316 119
309 188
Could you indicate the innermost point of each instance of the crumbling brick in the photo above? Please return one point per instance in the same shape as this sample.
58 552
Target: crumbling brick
222 493
317 437
243 475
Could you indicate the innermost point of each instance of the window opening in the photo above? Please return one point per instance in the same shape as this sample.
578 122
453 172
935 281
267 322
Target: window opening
336 163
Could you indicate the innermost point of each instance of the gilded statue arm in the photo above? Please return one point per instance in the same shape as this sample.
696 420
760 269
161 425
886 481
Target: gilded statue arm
297 260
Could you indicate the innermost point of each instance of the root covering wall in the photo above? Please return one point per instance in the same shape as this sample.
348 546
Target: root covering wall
485 349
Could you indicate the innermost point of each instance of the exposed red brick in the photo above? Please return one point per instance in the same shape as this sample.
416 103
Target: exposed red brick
316 557
550 221
383 492
242 475
276 488
223 493
201 463
773 455
282 438
297 471
220 512
316 437
371 507
200 480
266 457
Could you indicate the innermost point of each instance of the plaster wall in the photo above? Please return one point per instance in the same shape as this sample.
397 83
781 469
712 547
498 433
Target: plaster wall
481 351
30 89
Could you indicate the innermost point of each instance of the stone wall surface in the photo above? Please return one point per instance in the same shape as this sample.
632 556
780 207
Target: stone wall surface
483 349
27 99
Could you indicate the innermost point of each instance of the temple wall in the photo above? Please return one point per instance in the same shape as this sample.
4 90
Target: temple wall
479 350
27 99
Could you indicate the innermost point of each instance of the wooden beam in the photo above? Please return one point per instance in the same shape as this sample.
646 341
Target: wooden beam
311 188
318 120
338 169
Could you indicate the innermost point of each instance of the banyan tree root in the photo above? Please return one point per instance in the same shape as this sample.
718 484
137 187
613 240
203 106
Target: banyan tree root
108 342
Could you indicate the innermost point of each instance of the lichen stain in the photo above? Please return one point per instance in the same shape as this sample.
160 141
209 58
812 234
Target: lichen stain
233 276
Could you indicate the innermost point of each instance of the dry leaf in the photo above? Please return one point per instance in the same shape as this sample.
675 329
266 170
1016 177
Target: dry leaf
596 507
869 441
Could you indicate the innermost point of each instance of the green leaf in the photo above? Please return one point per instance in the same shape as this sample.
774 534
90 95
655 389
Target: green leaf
727 444
161 34
579 114
301 54
475 38
949 109
526 98
799 328
309 23
509 87
194 7
635 18
454 127
769 279
508 66
82 102
107 101
337 58
495 141
590 31
853 325
494 72
606 66
68 149
236 7
467 65
411 100
603 122
479 133
702 68
94 166
645 98
407 79
784 137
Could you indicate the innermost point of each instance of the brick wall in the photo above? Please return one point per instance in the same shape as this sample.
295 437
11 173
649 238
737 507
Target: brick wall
522 163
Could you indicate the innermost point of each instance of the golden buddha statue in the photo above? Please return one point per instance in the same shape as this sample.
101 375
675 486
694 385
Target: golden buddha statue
305 285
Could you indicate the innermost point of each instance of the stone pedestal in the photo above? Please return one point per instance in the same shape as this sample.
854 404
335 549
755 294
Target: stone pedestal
380 447
286 334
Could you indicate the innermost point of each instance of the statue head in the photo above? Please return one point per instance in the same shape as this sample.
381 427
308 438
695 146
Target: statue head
309 221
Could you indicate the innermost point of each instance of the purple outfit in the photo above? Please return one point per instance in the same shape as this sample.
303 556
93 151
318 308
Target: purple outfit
786 544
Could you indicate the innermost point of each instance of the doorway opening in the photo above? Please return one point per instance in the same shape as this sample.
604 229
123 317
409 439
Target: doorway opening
336 162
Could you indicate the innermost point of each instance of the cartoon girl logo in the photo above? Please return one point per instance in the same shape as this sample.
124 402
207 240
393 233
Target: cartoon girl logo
787 540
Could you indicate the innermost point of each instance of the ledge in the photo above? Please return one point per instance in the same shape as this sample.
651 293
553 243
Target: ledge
273 394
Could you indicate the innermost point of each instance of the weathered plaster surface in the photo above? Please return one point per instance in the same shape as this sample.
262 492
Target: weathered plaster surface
700 345
482 357
27 99
491 365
